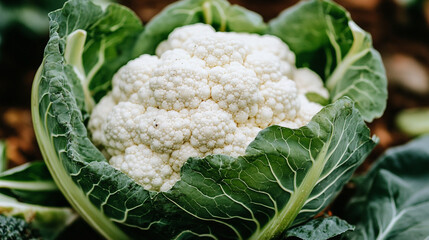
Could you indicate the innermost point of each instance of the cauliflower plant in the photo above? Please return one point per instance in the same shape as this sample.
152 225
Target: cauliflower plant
205 92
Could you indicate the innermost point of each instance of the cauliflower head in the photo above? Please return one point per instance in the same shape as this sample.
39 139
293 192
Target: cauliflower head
205 92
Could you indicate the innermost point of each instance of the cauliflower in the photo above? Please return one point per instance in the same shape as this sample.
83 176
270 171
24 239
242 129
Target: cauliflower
205 92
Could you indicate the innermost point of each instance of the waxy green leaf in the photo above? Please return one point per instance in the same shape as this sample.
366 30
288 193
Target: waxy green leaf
321 228
392 200
326 40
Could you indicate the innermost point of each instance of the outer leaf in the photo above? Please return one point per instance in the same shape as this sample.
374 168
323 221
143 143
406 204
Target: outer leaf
31 183
315 97
30 176
82 29
58 100
3 159
102 55
219 13
392 201
320 229
320 34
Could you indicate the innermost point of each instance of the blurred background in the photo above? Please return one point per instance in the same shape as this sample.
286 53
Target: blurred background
400 31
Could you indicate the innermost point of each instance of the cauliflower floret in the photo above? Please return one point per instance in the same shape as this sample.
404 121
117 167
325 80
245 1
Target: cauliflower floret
178 37
241 139
268 44
179 156
280 102
175 55
211 127
205 93
309 81
305 114
98 118
217 49
130 78
267 66
164 131
236 90
120 127
146 167
178 84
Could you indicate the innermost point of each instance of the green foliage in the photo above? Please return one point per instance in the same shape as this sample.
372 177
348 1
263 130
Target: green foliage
27 18
31 183
26 193
3 160
219 13
314 97
392 200
320 229
285 178
326 40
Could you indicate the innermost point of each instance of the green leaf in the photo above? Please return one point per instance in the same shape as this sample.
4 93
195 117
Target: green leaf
103 55
31 17
320 229
325 39
58 99
315 97
178 14
392 200
413 122
218 13
28 192
31 183
92 56
240 19
29 176
3 159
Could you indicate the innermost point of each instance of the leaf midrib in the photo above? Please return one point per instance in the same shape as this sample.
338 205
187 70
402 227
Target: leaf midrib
297 199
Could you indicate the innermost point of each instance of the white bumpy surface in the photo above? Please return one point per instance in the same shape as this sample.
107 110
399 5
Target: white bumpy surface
204 92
